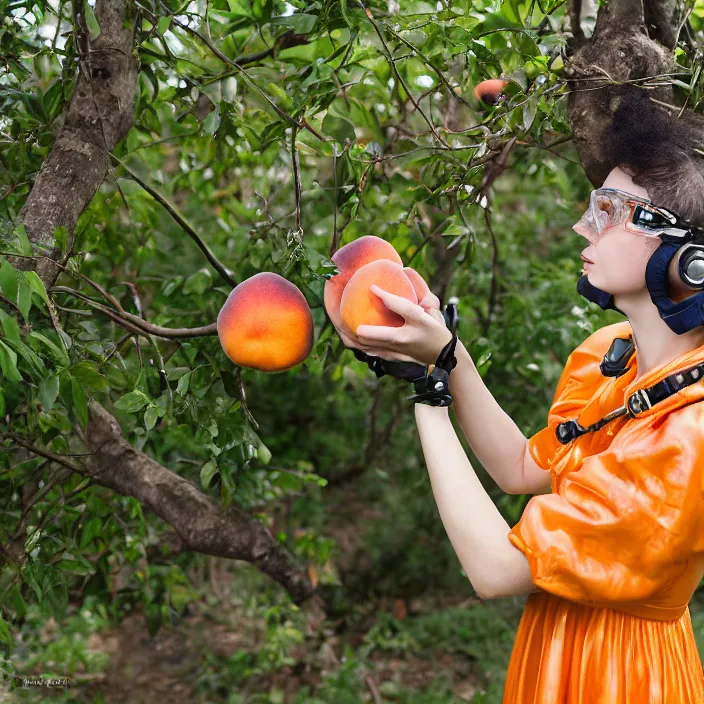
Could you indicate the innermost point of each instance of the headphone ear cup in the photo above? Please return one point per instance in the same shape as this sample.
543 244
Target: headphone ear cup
691 266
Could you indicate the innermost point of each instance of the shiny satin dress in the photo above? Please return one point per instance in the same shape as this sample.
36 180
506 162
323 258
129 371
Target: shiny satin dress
617 549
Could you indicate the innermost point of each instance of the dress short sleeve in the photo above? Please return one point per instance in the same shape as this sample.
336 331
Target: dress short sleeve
624 524
574 390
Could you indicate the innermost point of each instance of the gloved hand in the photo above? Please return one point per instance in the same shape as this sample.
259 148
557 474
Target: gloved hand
420 339
384 361
411 371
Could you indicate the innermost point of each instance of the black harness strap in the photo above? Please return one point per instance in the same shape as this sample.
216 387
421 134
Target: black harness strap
638 401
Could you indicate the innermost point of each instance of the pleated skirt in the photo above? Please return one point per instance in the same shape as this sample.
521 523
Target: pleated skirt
566 653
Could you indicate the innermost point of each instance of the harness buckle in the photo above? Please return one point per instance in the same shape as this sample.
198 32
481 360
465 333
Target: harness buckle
639 402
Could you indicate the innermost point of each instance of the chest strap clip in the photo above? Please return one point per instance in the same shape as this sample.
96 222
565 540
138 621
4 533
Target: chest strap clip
638 402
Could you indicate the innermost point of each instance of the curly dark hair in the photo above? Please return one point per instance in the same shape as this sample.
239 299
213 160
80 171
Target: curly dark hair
661 153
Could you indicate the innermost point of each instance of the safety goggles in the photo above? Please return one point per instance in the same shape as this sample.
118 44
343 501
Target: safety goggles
609 207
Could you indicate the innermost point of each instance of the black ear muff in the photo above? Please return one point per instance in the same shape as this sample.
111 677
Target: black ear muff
691 265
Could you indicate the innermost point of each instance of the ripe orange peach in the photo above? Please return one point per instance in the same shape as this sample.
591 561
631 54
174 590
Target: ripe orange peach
490 90
418 282
359 306
348 260
266 324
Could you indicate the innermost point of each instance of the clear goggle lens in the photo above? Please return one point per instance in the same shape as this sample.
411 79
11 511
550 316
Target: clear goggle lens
610 207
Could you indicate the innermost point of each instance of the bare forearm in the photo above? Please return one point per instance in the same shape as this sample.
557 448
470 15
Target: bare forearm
494 438
476 529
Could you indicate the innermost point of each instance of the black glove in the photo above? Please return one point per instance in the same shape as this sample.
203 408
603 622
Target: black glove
433 389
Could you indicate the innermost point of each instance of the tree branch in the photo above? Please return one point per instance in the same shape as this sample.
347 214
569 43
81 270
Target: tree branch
202 524
137 325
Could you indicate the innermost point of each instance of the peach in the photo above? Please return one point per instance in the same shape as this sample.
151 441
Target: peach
490 90
359 306
348 260
418 282
266 324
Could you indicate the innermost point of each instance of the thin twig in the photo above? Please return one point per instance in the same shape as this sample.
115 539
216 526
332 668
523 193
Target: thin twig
224 272
41 452
296 179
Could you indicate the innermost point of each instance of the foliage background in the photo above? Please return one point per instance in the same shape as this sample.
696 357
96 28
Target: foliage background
366 82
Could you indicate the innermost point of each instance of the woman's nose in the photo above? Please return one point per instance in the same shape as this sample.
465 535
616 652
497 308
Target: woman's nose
586 232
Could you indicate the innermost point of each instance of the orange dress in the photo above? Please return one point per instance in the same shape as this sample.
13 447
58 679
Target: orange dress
617 549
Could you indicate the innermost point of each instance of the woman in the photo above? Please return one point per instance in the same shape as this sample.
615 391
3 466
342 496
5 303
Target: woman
611 557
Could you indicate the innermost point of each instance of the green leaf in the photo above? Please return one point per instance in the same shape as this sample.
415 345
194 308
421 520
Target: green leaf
346 15
229 89
299 22
150 416
263 453
163 25
11 328
133 401
320 48
8 363
24 297
284 480
198 282
172 285
207 472
338 127
61 238
18 604
82 567
147 73
80 402
9 281
25 244
91 21
37 285
212 122
182 387
510 10
32 579
54 419
48 391
34 361
91 529
65 339
529 109
176 373
262 9
87 373
52 100
240 7
5 635
58 354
